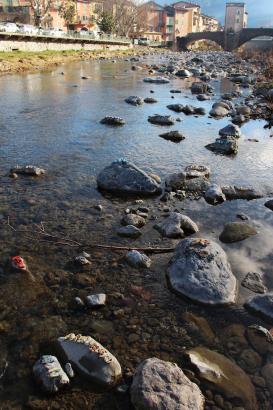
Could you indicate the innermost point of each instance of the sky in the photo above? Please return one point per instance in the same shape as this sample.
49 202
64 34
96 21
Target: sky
260 11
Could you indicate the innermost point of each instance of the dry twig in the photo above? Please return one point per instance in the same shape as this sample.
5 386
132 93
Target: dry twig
45 236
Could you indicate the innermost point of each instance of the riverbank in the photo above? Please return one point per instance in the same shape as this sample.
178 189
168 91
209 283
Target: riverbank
19 61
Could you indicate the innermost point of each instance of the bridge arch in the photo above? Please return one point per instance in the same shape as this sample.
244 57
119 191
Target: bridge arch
251 33
217 37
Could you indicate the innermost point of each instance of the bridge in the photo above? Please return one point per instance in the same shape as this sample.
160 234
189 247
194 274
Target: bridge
228 41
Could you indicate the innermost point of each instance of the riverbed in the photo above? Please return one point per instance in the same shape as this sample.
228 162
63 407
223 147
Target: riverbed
52 119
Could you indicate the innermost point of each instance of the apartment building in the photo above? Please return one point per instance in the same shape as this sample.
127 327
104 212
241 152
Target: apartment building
236 17
209 23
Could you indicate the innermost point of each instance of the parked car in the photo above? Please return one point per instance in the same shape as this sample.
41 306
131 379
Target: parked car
9 27
143 41
56 32
29 29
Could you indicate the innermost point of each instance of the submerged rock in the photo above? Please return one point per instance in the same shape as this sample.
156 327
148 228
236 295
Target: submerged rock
200 271
129 231
49 374
224 146
224 376
260 339
235 192
133 219
90 359
230 130
156 80
174 136
113 121
262 304
176 226
161 385
214 195
138 260
30 170
236 231
161 119
134 100
123 177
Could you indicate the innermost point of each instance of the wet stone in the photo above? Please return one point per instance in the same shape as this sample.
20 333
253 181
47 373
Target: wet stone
260 339
236 231
200 271
253 281
129 231
224 375
113 121
262 304
30 170
161 119
138 260
133 219
159 385
134 100
176 226
90 359
49 374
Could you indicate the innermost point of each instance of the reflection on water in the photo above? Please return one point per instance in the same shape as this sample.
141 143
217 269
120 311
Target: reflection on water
54 121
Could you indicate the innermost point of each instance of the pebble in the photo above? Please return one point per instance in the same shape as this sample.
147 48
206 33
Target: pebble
96 300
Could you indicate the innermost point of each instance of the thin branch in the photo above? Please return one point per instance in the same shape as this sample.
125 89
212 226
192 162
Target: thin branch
65 241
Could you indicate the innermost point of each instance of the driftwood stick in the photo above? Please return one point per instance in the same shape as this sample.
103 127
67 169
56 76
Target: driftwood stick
44 236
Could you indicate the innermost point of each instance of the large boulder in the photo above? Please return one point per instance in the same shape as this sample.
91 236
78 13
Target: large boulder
123 177
224 376
236 231
176 226
160 385
200 271
90 359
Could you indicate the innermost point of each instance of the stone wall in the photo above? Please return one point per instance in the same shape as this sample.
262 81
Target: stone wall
8 45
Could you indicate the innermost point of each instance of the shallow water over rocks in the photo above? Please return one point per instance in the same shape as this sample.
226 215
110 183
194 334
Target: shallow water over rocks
47 121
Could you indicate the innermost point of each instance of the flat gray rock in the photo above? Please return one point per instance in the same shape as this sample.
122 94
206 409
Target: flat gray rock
262 304
160 385
96 300
156 80
200 271
176 225
237 192
254 282
123 177
90 359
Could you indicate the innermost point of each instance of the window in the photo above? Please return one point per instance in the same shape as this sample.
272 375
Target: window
238 12
238 20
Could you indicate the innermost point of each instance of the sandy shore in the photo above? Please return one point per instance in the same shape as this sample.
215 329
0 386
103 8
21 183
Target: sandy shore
17 62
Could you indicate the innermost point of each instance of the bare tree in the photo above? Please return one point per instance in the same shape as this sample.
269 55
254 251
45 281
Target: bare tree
126 14
40 10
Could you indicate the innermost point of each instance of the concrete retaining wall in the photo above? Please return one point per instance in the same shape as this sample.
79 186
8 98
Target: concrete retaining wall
10 42
7 45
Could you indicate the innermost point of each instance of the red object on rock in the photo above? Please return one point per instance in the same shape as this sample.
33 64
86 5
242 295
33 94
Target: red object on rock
18 263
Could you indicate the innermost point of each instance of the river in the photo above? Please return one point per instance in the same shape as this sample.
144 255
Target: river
52 120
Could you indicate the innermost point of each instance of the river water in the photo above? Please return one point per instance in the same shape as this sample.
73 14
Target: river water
53 121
